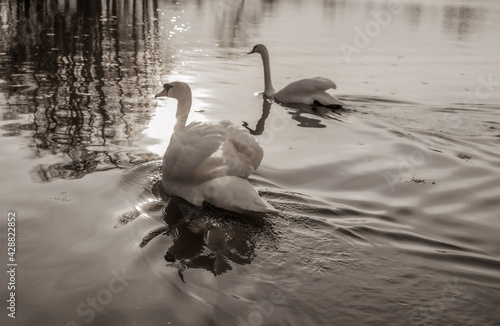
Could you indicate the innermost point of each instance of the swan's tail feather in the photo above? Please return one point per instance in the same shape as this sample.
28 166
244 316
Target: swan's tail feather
327 100
235 194
265 207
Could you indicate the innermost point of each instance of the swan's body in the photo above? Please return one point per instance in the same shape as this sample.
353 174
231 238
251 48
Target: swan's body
306 91
210 162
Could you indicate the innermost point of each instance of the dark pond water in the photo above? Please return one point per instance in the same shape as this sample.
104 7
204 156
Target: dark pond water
389 209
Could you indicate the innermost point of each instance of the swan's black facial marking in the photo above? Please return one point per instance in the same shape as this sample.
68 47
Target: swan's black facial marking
166 88
253 50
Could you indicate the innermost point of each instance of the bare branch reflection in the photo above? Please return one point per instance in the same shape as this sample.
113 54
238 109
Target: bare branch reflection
81 75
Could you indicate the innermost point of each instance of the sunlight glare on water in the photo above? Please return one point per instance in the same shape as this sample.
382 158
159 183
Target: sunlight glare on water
161 125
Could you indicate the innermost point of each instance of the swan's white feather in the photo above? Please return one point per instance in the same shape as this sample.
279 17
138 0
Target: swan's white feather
211 162
309 85
189 148
307 91
241 152
235 194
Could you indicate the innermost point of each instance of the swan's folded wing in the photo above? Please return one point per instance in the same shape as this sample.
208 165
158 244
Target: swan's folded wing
189 148
315 84
322 84
242 154
304 91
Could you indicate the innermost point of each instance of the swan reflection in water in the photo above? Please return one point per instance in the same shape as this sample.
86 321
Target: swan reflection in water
296 111
201 238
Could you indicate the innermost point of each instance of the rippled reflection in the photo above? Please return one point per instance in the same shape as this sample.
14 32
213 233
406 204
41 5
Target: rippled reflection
297 113
81 73
201 238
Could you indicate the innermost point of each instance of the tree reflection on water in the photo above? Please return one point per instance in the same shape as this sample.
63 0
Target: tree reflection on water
79 78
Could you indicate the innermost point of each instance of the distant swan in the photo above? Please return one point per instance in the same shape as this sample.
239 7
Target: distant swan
305 91
210 163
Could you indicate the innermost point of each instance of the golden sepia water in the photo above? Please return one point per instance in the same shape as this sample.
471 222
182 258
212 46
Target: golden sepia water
389 207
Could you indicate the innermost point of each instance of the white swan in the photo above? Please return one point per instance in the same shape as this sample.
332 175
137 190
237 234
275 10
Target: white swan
305 91
210 163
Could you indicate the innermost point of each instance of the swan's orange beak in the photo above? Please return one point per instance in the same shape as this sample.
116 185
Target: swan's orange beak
253 51
164 92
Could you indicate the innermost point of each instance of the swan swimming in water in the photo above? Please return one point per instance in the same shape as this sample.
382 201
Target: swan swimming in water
308 91
210 162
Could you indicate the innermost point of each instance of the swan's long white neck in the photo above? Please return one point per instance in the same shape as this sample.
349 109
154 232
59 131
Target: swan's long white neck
183 107
268 85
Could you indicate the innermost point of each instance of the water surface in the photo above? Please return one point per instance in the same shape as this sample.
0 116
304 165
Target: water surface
389 208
